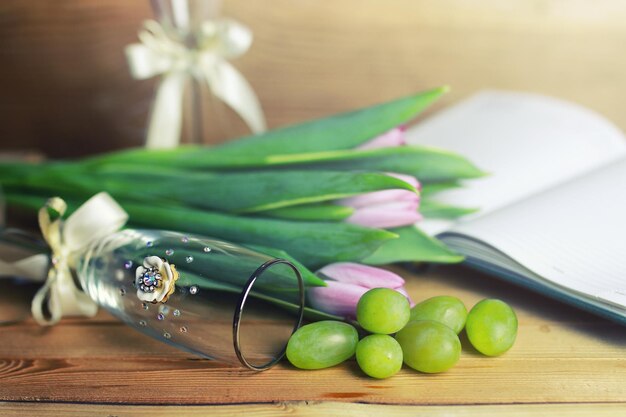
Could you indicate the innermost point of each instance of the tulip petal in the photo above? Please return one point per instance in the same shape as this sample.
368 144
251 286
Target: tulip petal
336 298
360 275
392 138
384 196
378 197
388 215
407 178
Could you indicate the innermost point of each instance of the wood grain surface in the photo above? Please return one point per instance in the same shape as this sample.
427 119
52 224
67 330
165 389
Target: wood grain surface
561 356
66 89
313 409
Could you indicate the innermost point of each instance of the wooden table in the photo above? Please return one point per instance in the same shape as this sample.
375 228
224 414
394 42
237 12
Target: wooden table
64 79
565 362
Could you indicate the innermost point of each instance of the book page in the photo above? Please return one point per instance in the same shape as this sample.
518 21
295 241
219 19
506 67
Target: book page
573 235
527 142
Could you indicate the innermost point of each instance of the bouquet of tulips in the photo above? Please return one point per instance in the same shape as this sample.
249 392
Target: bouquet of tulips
337 195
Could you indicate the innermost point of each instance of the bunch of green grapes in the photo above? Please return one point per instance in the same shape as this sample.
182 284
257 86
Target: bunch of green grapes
426 336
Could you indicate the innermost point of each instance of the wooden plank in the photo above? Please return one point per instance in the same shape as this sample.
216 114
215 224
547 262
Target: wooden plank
561 355
541 340
312 409
114 353
150 381
67 90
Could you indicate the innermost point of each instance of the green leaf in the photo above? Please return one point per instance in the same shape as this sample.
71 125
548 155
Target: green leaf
425 163
210 284
432 188
22 200
309 312
312 243
187 279
226 268
342 131
248 192
311 212
435 209
242 192
413 245
309 278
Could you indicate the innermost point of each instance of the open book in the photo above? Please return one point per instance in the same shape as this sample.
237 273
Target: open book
553 210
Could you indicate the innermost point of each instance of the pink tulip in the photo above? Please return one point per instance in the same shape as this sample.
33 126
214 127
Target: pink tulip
346 283
387 208
385 196
388 215
407 178
379 197
392 138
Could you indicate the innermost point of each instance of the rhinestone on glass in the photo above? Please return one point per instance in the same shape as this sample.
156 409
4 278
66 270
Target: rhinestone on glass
155 280
193 290
207 249
184 239
189 259
169 252
176 313
150 280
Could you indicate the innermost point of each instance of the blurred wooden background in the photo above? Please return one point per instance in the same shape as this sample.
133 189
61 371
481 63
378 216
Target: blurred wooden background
66 91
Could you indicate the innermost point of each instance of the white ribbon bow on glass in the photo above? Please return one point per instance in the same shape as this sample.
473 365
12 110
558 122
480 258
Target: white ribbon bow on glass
97 218
158 53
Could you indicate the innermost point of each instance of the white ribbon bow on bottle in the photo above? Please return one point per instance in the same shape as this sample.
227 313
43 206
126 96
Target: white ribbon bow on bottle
95 219
158 53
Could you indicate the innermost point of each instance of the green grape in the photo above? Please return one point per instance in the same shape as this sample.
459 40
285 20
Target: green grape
383 311
491 327
322 344
443 309
429 346
379 356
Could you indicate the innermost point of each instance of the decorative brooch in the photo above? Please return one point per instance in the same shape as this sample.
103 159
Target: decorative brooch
155 280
